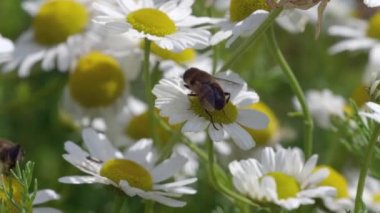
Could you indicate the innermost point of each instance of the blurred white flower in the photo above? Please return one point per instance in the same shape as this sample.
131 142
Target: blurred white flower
360 35
174 102
135 171
43 196
169 24
281 177
99 83
243 20
375 115
343 201
372 3
61 31
6 49
323 105
371 194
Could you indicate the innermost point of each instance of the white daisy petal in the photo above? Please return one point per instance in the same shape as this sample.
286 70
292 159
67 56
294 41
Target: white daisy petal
80 180
372 3
45 195
196 124
216 134
252 119
167 168
240 136
116 27
100 149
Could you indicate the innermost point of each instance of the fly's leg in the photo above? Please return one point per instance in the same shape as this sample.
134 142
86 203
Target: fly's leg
211 119
228 95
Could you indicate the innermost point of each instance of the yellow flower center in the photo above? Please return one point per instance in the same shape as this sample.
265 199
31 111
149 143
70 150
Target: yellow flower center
122 169
57 20
376 198
151 21
185 55
373 29
17 191
138 128
263 136
336 180
97 80
360 95
287 186
227 115
241 9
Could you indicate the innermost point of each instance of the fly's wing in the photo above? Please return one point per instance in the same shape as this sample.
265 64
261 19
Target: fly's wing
230 82
207 98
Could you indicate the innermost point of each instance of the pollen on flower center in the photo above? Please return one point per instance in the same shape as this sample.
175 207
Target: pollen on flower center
57 20
376 198
227 115
336 180
151 21
287 186
137 128
97 80
241 9
373 29
185 55
122 169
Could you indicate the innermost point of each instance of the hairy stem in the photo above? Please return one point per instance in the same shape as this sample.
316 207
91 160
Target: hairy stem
294 84
365 167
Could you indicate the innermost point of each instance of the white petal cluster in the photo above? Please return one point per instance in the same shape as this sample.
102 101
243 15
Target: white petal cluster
100 150
250 177
173 102
323 105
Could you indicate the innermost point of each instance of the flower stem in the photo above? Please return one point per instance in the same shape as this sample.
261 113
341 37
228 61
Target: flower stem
149 206
222 187
364 169
119 201
308 121
243 47
148 90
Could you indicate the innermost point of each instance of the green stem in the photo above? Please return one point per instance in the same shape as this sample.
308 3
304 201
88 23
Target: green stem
119 201
364 169
148 91
149 206
244 46
308 121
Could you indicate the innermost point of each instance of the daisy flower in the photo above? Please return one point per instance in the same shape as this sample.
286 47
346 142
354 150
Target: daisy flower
174 102
372 3
72 35
343 201
243 20
323 105
99 81
6 49
371 193
134 171
360 35
170 24
280 177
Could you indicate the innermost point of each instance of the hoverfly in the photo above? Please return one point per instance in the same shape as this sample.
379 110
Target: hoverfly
208 89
